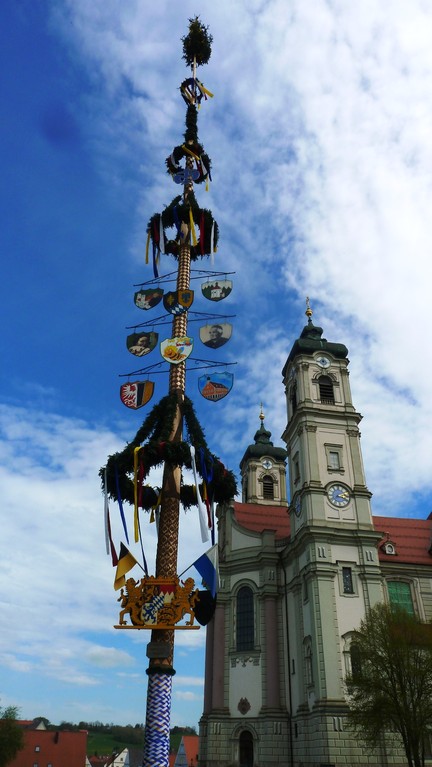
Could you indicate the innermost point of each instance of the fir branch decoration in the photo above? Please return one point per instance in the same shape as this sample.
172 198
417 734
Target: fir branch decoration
191 132
155 432
197 43
178 211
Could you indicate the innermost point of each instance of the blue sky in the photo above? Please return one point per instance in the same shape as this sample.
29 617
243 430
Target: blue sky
319 135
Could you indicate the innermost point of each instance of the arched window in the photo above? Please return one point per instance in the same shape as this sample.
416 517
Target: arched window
245 634
268 487
352 655
326 390
355 659
246 749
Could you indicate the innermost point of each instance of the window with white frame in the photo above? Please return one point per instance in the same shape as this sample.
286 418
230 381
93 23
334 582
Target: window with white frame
334 456
347 575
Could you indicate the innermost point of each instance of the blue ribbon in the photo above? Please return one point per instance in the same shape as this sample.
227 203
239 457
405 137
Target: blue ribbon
120 502
155 254
206 475
177 220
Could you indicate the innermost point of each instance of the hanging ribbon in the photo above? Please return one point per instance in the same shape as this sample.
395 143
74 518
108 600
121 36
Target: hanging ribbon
136 522
147 248
207 475
140 483
106 514
156 506
212 243
204 91
155 262
142 548
207 504
161 236
213 523
202 233
192 227
189 152
114 557
120 503
201 508
177 221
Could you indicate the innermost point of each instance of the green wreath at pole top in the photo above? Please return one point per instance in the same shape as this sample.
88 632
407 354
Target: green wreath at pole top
197 43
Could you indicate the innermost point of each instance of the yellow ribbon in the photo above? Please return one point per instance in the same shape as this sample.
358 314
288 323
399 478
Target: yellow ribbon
136 526
158 503
192 228
189 152
204 90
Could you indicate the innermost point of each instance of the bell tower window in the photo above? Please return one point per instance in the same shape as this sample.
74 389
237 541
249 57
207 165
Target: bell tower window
293 398
268 487
326 391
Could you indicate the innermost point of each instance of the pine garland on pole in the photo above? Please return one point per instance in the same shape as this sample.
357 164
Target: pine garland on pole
160 438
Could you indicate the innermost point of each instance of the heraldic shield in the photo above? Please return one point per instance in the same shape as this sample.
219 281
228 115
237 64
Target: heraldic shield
140 344
214 336
147 299
216 385
136 394
178 301
216 290
176 350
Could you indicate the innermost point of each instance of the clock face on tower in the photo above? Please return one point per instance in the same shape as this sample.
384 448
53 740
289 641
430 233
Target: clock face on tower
267 463
323 362
338 495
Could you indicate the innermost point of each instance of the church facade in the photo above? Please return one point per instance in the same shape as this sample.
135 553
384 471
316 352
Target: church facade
297 578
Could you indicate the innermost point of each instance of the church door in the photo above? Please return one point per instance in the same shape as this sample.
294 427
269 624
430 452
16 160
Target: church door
246 749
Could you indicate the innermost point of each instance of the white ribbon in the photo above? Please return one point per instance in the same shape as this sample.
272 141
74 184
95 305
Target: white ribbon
201 506
107 540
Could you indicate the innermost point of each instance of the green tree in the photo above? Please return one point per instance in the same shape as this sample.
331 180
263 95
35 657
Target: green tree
390 686
11 735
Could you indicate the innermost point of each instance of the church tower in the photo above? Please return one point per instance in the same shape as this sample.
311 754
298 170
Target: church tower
296 581
263 470
331 565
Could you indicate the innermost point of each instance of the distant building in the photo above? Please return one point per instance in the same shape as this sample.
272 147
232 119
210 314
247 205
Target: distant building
187 754
48 748
296 581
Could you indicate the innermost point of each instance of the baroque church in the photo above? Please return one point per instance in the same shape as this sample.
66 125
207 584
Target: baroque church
297 578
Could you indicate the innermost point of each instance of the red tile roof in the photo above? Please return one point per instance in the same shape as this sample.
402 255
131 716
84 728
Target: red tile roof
411 537
67 749
191 744
257 517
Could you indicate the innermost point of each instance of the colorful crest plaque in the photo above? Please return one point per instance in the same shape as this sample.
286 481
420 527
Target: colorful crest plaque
216 290
147 299
176 350
140 344
178 301
214 336
135 394
216 385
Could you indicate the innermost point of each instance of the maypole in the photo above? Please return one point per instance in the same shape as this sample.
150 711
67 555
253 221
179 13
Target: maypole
160 602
